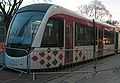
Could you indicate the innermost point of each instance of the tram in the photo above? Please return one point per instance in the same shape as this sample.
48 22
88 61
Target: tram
44 36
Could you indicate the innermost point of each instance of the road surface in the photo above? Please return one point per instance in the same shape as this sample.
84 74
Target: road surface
107 71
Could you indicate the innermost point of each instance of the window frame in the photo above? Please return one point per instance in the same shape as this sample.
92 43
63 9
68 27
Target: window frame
60 37
86 35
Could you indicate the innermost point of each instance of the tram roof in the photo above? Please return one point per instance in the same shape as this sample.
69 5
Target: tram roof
44 7
35 7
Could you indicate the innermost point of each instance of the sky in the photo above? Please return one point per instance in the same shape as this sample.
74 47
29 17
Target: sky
112 5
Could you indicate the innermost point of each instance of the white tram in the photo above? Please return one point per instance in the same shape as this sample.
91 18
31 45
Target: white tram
45 36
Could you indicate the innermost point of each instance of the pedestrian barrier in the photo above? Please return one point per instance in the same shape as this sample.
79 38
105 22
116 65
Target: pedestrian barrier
70 69
95 66
2 50
2 47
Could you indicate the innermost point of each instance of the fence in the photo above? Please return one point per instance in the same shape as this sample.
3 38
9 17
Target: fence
2 50
81 54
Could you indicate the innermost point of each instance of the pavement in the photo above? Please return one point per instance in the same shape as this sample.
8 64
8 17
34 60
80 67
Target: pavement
107 71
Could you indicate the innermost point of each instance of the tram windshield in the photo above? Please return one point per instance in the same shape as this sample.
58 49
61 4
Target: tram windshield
24 28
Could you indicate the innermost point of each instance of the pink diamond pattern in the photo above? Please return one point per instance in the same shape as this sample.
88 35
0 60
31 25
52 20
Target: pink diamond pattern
34 58
61 56
48 57
42 62
42 54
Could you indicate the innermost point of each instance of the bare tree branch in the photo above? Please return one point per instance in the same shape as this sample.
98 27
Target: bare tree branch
8 8
2 8
17 6
9 3
12 9
95 10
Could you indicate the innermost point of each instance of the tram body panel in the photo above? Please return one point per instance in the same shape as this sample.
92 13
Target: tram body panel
38 42
109 41
44 58
13 62
108 49
23 42
82 53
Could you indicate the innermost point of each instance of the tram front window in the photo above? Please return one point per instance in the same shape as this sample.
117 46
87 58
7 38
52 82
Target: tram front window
23 29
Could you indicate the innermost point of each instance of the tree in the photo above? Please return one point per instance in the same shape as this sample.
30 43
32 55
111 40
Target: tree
8 9
95 10
112 22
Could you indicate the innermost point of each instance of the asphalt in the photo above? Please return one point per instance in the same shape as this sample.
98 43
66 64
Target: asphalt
107 71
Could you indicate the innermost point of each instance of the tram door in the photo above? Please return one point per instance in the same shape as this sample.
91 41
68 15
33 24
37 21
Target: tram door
100 42
68 41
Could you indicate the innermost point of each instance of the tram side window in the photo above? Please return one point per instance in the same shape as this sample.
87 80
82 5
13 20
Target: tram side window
108 37
53 34
83 35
